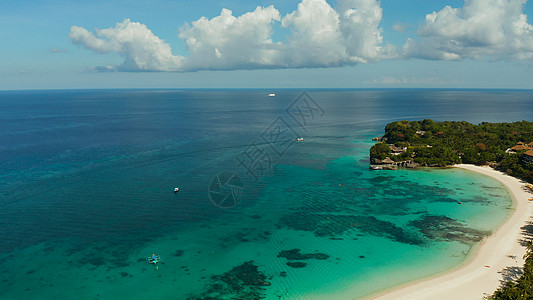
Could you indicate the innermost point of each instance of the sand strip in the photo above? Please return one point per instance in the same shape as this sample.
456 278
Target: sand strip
482 274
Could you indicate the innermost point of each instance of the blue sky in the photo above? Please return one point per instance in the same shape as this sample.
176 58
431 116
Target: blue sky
59 44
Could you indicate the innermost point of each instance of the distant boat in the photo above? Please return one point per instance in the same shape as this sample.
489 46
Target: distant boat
300 139
176 190
272 95
154 259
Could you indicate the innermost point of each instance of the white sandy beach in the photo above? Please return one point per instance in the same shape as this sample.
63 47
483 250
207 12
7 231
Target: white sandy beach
482 274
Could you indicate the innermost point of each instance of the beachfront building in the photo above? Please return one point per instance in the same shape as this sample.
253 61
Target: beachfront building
397 150
387 161
389 164
528 157
519 147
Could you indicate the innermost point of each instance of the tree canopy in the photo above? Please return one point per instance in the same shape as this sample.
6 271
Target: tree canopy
441 144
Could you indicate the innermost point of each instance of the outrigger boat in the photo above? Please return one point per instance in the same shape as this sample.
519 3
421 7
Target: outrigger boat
154 259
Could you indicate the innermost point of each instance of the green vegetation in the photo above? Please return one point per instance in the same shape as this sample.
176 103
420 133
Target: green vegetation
440 144
380 151
522 288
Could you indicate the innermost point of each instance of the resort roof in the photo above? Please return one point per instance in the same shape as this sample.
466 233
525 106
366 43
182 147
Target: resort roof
520 147
530 144
396 149
387 161
529 153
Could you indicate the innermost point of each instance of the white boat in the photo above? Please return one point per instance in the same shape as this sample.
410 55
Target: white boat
300 139
176 190
272 95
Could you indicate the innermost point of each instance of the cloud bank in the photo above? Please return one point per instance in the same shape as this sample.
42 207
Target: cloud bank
319 36
481 29
143 51
229 42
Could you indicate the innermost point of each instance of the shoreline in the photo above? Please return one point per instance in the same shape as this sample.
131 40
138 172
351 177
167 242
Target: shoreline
481 274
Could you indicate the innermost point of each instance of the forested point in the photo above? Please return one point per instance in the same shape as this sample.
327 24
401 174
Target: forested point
507 147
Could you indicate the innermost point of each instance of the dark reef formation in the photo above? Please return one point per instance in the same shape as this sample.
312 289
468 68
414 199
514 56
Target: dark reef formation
447 229
294 254
242 282
333 225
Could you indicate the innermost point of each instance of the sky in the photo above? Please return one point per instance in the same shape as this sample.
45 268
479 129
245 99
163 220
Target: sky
98 44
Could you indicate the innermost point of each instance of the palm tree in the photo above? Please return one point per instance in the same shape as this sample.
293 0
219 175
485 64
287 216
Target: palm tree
529 251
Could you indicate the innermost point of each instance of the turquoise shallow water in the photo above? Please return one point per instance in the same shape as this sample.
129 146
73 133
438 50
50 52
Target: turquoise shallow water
87 181
359 255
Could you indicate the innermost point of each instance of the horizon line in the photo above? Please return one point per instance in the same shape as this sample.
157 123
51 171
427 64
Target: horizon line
272 89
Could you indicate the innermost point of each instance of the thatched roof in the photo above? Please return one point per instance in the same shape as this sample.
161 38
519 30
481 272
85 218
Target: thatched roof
393 148
387 161
529 153
520 147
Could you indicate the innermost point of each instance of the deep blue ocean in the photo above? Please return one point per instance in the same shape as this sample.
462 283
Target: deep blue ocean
275 198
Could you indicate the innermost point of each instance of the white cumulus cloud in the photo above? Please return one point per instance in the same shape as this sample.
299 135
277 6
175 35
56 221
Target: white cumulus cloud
229 42
316 39
481 29
320 36
360 21
143 51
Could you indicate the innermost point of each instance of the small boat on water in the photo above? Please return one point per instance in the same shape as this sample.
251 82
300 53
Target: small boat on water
154 259
300 139
176 190
272 95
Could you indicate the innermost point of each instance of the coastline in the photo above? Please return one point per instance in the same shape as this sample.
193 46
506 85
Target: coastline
482 273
